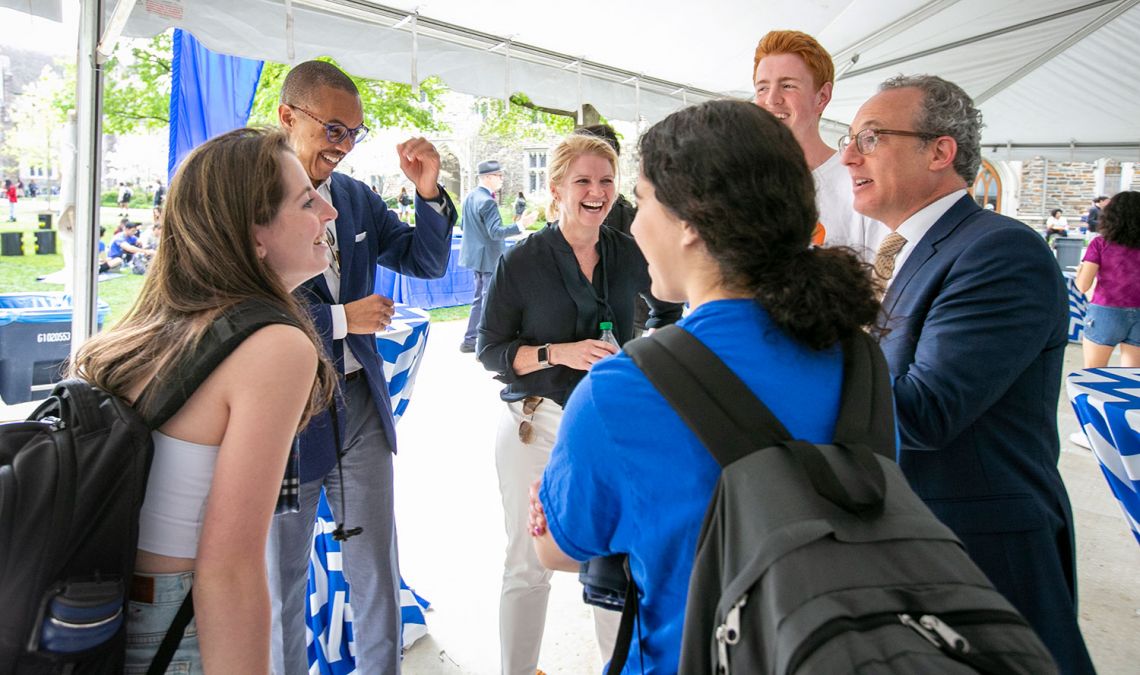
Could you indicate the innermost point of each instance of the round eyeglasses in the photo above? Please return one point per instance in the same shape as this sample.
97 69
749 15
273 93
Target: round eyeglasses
868 139
335 132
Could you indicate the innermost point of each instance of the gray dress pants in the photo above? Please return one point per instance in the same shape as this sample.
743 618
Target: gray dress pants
370 560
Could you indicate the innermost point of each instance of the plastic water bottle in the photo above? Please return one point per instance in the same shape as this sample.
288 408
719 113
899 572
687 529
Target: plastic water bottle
607 335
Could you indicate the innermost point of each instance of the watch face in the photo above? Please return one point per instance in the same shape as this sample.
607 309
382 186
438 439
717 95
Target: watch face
543 356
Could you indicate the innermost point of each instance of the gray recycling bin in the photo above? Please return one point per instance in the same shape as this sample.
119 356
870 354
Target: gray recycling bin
35 341
1068 251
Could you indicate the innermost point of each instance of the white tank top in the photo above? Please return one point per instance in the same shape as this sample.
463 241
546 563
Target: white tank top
171 518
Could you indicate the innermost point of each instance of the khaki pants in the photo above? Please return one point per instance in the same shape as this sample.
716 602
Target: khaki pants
526 583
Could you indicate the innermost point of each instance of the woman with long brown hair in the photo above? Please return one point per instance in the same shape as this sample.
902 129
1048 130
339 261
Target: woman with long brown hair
243 222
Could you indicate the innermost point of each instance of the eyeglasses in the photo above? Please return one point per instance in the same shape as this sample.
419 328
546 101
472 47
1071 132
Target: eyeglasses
526 427
336 132
868 139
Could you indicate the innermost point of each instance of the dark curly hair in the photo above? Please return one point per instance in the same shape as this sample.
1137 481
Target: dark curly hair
736 174
1120 222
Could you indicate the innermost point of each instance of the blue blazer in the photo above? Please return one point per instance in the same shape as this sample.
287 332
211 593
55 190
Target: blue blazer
377 237
978 320
483 232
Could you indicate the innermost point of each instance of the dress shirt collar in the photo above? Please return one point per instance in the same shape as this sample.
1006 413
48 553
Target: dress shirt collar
913 229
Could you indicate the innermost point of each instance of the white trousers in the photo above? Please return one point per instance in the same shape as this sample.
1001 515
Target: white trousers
526 583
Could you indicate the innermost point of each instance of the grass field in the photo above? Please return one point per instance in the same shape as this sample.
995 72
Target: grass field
18 274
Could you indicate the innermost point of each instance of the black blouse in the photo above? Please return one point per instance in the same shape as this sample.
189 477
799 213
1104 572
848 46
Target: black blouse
538 295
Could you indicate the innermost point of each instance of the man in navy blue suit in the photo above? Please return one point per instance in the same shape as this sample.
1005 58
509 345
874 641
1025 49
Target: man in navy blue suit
977 315
320 111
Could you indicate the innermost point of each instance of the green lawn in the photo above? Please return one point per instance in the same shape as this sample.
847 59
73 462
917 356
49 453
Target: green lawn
18 274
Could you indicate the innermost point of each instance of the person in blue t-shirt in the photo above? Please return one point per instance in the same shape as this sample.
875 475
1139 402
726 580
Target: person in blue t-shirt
725 215
125 246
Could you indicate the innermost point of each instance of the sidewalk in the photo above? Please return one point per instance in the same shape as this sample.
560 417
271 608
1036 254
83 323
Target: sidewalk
452 541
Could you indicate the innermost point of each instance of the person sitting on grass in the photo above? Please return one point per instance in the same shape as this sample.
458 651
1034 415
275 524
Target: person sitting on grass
125 246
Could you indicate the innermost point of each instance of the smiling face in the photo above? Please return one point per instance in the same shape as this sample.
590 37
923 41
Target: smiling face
293 243
784 86
896 180
587 191
307 136
659 235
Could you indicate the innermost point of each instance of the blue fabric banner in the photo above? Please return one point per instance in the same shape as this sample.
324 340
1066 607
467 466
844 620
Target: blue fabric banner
210 94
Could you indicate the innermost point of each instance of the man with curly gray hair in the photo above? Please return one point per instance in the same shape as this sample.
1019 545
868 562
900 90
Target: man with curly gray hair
977 314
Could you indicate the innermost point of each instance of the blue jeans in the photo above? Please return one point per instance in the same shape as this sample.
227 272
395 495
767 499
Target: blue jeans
147 623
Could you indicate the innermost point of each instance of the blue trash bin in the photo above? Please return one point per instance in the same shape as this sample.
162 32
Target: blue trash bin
35 341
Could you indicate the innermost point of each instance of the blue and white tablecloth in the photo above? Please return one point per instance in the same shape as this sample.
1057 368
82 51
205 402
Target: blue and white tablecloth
455 287
329 633
1107 402
1077 307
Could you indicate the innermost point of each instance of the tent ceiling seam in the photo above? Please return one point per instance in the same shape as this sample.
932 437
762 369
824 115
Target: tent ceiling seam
390 17
977 38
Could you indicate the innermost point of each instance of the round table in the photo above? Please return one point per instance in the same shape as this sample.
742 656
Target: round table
1077 307
330 638
1107 403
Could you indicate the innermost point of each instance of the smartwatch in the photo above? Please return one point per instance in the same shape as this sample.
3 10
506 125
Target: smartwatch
544 356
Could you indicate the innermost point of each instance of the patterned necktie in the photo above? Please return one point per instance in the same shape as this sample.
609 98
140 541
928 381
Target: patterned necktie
334 253
885 257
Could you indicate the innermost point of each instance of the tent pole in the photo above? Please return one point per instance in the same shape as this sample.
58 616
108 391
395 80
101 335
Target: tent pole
89 109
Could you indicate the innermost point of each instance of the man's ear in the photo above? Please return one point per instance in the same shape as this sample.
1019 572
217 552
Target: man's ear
944 150
823 97
285 116
689 235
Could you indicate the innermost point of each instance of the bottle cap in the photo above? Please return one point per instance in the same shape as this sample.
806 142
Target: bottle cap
606 325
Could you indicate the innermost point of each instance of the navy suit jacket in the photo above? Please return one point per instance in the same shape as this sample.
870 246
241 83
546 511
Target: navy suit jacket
484 234
367 234
978 320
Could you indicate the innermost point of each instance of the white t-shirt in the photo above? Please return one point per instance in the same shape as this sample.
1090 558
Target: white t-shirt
842 225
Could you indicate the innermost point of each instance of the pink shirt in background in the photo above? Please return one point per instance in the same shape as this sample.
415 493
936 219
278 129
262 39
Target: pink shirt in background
1118 279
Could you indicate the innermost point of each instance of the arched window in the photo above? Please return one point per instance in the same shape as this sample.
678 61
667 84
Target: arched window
987 187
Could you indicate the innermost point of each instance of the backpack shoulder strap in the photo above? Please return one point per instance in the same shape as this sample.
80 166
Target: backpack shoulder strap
719 408
169 390
722 411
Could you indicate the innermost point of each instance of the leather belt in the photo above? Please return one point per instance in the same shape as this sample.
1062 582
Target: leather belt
142 589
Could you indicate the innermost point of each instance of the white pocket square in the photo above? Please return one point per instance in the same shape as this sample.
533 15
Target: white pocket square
361 236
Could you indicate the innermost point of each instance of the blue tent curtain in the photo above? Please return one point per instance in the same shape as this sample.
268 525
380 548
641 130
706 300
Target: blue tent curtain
210 94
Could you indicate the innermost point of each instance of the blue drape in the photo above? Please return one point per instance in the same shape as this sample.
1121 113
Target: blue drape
209 95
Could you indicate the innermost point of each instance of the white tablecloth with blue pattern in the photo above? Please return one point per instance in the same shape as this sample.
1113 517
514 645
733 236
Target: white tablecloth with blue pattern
1107 402
1077 307
329 633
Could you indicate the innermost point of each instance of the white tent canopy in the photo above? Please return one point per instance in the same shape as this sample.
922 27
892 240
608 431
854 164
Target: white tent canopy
1053 77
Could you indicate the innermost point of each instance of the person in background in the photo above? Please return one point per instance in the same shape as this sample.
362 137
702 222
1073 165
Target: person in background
125 246
218 462
125 195
1056 225
484 240
520 206
978 320
793 77
726 209
10 193
321 114
404 203
105 265
540 335
1092 220
1113 261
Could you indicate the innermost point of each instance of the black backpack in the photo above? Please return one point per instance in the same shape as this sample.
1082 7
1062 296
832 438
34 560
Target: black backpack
72 482
820 558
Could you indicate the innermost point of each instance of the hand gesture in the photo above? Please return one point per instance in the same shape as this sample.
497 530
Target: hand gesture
582 355
528 219
536 516
369 314
419 160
